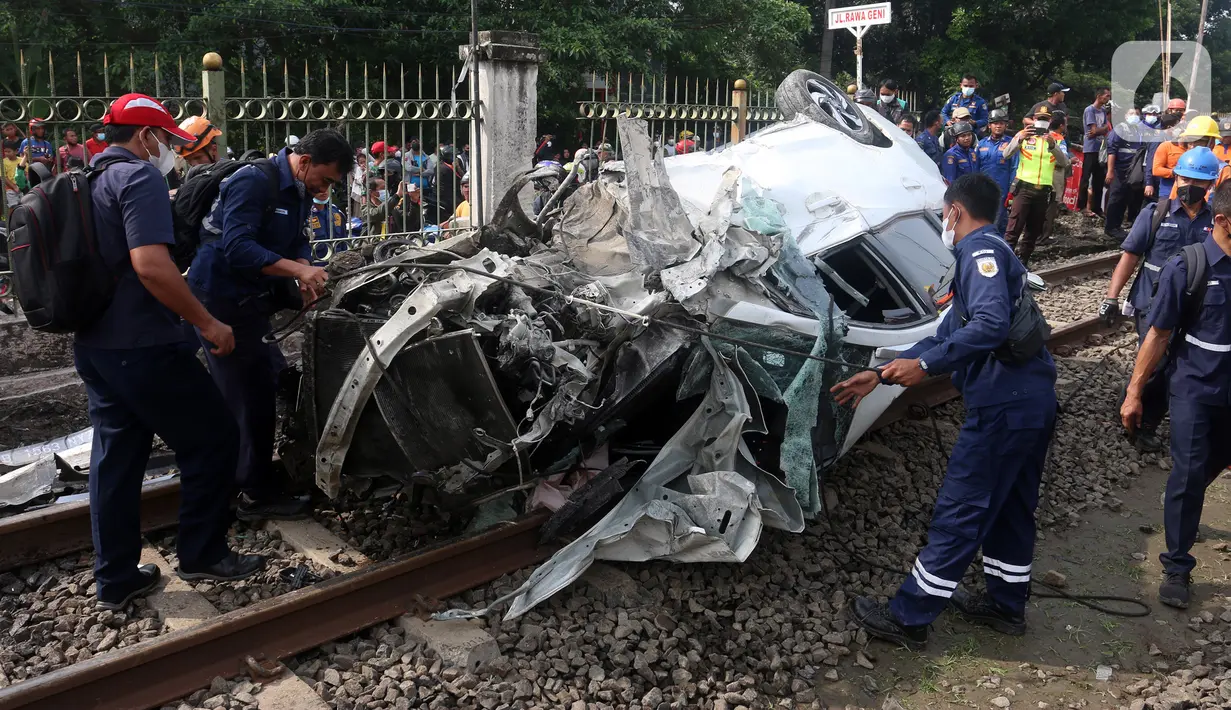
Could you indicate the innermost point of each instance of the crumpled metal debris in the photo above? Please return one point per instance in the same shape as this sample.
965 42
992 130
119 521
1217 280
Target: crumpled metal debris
29 482
658 232
703 499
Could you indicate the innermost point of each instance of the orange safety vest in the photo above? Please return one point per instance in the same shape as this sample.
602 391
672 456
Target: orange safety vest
1223 152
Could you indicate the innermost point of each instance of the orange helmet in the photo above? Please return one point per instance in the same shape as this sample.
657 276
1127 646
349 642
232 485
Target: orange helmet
200 127
1176 103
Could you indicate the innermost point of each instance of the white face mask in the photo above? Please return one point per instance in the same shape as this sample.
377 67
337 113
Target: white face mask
948 236
1151 119
165 160
1132 119
1041 125
968 91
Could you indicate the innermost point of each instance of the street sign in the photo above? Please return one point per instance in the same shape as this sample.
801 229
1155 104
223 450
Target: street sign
860 16
858 19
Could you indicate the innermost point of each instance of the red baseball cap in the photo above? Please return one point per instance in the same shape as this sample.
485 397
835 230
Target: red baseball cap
378 147
141 110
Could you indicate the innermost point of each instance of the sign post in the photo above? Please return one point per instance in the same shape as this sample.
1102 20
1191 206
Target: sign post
858 19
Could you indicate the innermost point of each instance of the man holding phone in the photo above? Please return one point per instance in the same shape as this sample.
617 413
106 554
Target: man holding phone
1041 154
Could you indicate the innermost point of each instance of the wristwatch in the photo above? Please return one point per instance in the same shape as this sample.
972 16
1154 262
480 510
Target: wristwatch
923 365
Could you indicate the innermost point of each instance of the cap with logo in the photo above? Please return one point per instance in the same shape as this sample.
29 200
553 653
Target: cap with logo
142 110
1057 86
1224 127
378 147
1043 112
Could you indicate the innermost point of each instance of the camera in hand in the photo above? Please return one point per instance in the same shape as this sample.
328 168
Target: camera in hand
1041 128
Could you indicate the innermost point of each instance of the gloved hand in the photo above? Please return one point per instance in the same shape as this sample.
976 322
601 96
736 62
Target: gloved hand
1109 311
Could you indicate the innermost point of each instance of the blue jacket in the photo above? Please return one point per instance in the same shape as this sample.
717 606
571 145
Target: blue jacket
1202 358
327 223
976 104
931 145
993 163
1124 142
988 278
1174 233
959 161
228 264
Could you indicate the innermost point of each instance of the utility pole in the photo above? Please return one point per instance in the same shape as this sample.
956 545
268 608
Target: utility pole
1167 60
827 45
1192 83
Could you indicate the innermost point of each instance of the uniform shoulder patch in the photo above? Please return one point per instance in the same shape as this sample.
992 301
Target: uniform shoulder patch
950 157
987 266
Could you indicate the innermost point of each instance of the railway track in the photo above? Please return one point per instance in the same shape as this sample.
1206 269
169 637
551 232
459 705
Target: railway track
174 665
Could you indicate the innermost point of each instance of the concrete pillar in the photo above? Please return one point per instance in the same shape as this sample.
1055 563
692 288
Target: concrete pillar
503 137
215 96
739 102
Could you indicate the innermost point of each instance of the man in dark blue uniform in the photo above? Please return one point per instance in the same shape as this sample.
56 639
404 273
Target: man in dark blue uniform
994 164
991 488
968 99
1197 329
929 137
244 273
1188 221
1126 169
326 223
140 377
962 158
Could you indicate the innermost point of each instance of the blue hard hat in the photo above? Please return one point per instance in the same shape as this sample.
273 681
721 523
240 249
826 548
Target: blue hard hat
1199 164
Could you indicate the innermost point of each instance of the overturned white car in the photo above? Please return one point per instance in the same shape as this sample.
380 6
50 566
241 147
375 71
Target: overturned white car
656 347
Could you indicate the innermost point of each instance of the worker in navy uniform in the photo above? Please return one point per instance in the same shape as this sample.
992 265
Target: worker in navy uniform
140 377
991 488
1188 221
1198 333
995 164
326 222
962 158
245 273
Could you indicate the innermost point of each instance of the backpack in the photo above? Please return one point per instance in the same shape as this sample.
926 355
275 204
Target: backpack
1195 264
61 278
1137 169
195 198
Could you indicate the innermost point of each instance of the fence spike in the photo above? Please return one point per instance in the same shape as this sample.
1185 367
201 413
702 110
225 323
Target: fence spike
384 80
346 79
183 94
326 78
80 83
106 77
132 73
157 78
286 78
365 81
51 73
243 82
307 88
21 64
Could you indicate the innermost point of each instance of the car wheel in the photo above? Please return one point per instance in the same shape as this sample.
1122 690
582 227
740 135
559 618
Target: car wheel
819 99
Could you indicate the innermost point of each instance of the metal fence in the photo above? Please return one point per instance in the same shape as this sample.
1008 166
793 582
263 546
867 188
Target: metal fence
261 106
678 109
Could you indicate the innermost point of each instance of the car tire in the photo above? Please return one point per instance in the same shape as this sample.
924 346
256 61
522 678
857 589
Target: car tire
819 99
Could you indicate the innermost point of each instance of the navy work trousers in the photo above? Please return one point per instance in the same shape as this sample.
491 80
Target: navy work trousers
987 500
133 395
248 380
1154 394
1200 450
1123 201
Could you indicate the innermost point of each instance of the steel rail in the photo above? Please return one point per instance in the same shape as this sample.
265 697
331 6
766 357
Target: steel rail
157 671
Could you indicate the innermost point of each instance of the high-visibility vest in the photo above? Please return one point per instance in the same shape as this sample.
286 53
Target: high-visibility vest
1037 163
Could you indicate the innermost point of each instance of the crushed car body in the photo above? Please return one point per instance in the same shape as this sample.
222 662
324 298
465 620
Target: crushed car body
653 351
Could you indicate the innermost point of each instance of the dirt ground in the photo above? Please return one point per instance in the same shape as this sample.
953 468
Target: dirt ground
1108 553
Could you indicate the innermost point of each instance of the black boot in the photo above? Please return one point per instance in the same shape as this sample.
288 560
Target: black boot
1174 590
277 507
1146 440
231 568
147 579
979 609
878 621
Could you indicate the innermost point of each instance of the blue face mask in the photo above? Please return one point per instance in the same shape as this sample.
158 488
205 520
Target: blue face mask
968 91
382 194
101 136
1132 119
319 201
1151 119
